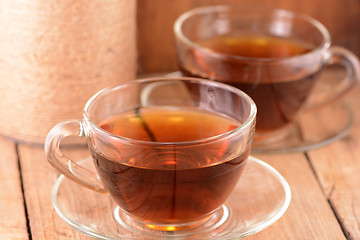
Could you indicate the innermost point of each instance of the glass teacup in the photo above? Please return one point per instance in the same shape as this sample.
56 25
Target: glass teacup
169 151
273 55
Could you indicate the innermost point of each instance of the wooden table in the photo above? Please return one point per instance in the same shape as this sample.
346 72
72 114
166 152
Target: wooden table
325 187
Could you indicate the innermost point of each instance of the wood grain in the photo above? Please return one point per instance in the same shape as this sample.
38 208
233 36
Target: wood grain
333 186
12 212
309 215
337 167
156 18
38 178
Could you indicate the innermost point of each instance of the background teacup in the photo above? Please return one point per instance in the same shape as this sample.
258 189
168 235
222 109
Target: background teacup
273 55
169 151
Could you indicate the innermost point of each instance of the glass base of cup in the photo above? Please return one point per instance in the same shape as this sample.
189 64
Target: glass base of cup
211 221
312 129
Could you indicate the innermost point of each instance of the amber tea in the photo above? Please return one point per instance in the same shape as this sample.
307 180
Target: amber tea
170 184
256 46
248 62
169 161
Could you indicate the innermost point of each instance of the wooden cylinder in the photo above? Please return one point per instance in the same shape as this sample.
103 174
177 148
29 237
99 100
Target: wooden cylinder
54 55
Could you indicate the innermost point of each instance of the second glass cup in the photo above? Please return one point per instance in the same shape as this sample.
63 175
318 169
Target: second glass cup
273 55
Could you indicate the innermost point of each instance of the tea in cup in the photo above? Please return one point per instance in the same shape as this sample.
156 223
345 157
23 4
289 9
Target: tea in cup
275 56
169 151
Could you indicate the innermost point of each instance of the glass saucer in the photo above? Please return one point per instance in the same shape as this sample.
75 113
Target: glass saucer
313 128
261 197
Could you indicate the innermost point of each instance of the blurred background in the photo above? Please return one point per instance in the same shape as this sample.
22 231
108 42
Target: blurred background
155 19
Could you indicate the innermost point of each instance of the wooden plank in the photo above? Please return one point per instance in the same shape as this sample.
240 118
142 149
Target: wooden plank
309 215
155 19
12 212
38 178
337 167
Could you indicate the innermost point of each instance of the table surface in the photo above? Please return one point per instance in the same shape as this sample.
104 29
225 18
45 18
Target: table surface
325 185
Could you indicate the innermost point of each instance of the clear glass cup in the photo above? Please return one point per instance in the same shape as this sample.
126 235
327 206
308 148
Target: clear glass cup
273 55
169 151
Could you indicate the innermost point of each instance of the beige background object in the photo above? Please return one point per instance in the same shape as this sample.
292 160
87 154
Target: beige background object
54 55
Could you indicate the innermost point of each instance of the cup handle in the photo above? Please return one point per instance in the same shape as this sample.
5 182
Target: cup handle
341 56
64 164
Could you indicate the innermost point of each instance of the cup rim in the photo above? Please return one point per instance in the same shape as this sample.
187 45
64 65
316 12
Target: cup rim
98 130
325 44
